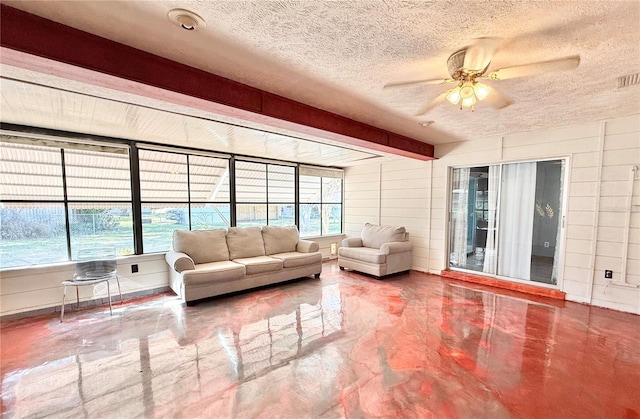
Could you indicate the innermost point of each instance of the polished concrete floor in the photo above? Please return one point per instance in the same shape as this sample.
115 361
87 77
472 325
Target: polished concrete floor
346 345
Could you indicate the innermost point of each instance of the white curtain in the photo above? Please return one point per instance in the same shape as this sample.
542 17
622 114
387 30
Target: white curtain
516 220
490 252
459 213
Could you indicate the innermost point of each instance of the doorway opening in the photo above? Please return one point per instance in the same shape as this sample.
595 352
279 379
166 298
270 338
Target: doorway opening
506 220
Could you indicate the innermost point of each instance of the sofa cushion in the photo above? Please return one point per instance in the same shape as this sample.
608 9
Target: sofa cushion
260 264
244 242
206 273
280 239
295 259
203 246
375 236
364 254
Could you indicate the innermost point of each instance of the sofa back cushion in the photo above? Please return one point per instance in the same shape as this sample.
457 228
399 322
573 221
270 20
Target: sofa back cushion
245 242
375 236
280 239
203 246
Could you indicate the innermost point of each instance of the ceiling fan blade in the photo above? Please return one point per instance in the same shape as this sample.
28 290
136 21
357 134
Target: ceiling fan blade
479 54
566 63
426 81
442 97
497 100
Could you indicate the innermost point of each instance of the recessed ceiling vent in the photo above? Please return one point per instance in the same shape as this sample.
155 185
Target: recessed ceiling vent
629 80
186 19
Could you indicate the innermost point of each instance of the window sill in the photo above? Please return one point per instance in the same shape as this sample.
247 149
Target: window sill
70 265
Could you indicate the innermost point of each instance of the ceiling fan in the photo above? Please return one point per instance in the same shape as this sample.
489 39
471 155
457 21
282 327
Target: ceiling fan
468 68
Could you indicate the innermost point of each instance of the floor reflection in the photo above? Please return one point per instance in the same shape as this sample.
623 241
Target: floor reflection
346 345
139 375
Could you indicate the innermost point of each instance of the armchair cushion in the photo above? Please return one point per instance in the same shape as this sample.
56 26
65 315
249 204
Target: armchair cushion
352 242
203 246
364 254
245 242
375 236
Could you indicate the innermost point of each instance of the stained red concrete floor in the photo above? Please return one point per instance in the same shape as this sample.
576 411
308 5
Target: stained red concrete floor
347 345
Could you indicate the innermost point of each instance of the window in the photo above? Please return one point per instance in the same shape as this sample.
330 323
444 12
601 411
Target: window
505 220
58 198
320 202
99 200
265 194
181 191
209 186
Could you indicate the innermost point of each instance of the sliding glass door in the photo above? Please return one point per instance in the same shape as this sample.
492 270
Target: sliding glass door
505 219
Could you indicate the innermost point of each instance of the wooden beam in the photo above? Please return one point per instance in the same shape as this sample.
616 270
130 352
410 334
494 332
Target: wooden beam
35 43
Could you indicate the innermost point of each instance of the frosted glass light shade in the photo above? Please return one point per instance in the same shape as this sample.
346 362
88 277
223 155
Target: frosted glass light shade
454 96
467 102
482 90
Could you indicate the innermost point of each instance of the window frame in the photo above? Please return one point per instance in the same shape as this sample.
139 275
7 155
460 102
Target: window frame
322 174
267 203
190 201
65 147
62 140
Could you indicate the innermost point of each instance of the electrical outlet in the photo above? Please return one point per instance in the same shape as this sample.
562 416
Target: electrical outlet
134 268
334 248
608 274
546 244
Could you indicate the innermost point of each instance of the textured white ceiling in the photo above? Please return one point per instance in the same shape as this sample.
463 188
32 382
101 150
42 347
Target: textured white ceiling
337 55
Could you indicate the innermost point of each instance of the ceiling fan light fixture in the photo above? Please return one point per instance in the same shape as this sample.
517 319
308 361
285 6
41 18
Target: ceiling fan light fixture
454 96
482 90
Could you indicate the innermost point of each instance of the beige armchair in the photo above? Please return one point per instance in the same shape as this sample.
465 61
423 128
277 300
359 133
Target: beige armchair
379 251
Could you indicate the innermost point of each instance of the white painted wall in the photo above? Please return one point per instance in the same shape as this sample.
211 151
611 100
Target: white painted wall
600 156
415 193
37 288
391 193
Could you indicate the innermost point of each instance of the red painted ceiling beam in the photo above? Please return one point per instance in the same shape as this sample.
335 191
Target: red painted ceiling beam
36 43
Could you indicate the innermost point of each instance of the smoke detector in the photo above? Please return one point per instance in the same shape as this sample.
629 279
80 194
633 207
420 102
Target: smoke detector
186 19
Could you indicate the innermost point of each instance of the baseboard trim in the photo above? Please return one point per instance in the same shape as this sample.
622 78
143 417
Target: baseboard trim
70 306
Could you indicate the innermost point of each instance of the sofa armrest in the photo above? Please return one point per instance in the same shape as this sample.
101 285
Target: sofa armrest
352 242
179 261
307 246
396 247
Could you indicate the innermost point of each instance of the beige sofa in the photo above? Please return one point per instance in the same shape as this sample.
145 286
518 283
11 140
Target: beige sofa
379 251
206 263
